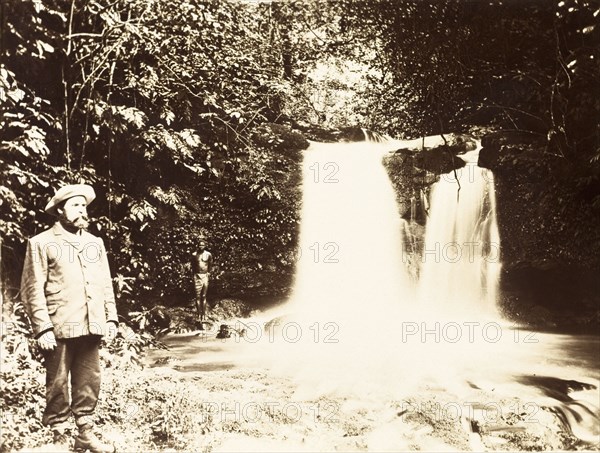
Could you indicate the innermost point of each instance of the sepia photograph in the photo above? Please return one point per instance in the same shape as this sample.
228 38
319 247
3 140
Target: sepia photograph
299 226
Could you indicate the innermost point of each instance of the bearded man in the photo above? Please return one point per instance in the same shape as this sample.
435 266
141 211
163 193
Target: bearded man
67 291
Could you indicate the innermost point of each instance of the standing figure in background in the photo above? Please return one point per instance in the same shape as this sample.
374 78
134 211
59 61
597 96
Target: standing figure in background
202 264
67 291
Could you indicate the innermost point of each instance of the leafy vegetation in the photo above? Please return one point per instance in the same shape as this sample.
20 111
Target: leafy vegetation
175 142
184 116
23 394
178 113
444 66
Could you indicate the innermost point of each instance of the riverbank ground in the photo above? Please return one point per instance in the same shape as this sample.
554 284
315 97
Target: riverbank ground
194 397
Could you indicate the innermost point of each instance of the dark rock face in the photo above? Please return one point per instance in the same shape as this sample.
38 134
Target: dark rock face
488 157
549 226
352 134
438 161
551 284
411 184
550 235
461 143
414 170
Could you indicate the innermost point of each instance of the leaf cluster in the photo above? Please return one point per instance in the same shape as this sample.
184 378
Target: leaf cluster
160 106
447 65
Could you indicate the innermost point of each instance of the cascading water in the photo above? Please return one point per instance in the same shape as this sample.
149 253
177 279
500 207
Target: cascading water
350 263
363 330
354 301
363 333
350 281
461 255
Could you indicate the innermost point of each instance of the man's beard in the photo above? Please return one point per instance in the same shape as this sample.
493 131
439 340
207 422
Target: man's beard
78 223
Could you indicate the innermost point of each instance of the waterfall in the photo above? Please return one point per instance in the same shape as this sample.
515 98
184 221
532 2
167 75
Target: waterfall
460 264
339 329
354 247
350 264
365 329
358 317
384 358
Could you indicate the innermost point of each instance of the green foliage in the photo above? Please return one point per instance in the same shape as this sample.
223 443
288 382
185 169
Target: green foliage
160 411
176 112
127 351
23 394
445 65
22 140
23 376
159 105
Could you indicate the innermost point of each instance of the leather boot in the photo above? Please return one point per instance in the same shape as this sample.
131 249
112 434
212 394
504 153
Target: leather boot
87 440
60 440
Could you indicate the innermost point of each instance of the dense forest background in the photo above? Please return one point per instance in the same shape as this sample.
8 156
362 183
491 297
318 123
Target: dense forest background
189 117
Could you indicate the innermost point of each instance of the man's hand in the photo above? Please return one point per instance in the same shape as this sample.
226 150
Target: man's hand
47 341
111 332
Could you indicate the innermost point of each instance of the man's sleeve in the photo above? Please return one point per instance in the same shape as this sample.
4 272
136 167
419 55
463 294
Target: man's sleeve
110 306
33 280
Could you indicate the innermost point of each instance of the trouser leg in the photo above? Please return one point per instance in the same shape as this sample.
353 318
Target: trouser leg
58 363
85 379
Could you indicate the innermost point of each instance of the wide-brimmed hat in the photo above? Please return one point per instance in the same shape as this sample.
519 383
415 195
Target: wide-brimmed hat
70 191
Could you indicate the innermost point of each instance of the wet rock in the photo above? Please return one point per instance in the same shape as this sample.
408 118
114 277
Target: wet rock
409 152
454 143
224 331
317 133
229 309
411 185
438 160
551 294
352 134
488 157
549 234
461 143
550 283
414 170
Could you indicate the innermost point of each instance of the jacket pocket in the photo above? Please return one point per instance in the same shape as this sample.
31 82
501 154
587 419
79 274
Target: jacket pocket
53 294
52 289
